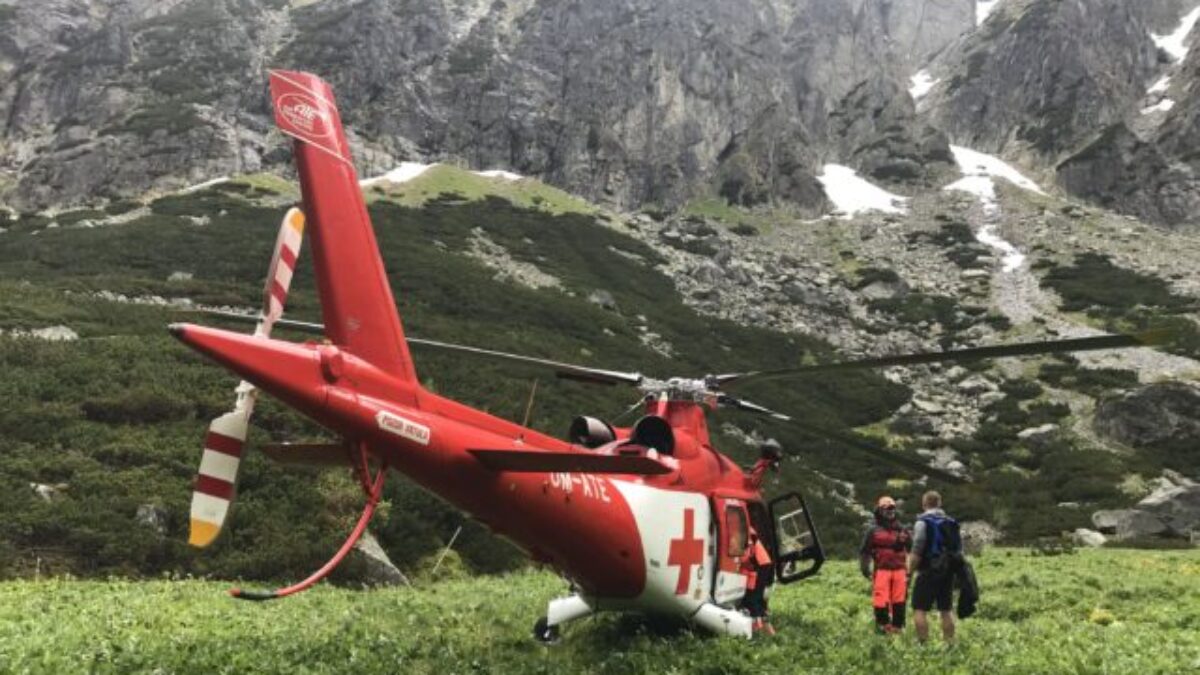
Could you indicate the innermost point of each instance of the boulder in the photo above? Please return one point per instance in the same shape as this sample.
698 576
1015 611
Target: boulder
1177 508
604 299
378 567
48 492
912 425
884 290
1036 437
1129 524
977 535
707 272
927 406
1176 478
1089 538
1157 414
976 385
1106 521
153 517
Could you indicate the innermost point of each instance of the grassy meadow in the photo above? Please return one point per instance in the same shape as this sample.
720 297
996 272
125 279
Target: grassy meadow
1104 611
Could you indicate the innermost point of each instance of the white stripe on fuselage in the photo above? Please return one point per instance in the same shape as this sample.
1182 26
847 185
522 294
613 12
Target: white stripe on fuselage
660 516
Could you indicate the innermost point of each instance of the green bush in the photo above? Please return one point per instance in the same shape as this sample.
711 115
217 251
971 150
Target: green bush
1096 285
137 406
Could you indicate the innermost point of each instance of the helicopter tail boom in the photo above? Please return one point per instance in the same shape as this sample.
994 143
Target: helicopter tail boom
356 300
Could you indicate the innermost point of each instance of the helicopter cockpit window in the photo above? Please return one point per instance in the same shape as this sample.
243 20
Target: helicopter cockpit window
736 529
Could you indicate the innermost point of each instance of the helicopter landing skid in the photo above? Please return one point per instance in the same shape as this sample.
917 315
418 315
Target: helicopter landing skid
559 612
724 621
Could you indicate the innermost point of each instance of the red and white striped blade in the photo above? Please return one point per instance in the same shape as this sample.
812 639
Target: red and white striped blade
283 265
214 488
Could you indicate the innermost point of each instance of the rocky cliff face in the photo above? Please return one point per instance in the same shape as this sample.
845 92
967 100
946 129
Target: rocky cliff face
1146 165
629 102
1040 76
1094 91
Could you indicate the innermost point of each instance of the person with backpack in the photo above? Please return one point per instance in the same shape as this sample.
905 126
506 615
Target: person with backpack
936 558
886 544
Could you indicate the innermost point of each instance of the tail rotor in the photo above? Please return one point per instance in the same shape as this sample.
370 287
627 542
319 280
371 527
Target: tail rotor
225 441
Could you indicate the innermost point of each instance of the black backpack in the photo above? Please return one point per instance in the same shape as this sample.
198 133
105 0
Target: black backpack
943 544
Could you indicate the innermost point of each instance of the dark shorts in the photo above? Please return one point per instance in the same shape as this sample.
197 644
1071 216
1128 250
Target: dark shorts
929 588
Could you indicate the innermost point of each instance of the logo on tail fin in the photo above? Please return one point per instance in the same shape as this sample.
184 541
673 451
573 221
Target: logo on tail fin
306 113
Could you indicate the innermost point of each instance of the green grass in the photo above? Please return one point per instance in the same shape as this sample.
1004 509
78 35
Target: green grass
1093 612
268 182
443 179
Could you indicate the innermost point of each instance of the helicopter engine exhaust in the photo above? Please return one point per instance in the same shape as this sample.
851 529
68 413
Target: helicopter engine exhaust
655 432
590 432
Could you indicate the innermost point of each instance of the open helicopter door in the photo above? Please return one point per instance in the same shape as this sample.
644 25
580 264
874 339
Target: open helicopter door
733 537
796 539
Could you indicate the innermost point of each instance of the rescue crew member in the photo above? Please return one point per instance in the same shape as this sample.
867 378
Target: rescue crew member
886 543
935 539
769 455
760 574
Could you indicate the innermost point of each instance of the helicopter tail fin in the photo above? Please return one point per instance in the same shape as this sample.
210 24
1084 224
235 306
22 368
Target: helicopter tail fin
356 300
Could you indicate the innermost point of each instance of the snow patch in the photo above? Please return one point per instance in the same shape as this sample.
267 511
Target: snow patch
205 184
922 82
498 173
979 174
980 186
983 9
1160 86
401 174
853 195
973 163
1012 257
1175 43
1162 106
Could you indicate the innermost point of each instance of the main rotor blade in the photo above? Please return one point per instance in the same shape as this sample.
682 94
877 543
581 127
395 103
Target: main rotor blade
564 370
1144 339
742 404
305 326
879 453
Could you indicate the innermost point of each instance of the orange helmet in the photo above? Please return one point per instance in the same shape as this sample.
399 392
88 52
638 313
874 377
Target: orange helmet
885 501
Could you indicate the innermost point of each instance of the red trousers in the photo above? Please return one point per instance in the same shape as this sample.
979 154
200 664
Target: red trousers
890 588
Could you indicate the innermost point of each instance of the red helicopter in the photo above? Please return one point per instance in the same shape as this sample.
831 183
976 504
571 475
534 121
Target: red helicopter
658 519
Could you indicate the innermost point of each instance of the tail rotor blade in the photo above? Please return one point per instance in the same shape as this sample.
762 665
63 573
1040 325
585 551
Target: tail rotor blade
214 487
283 266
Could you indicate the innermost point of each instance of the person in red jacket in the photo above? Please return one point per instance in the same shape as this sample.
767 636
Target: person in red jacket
886 544
760 574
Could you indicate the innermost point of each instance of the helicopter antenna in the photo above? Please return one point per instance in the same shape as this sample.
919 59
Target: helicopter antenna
452 538
529 405
631 409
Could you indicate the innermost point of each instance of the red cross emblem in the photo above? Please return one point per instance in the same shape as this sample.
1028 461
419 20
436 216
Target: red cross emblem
686 552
